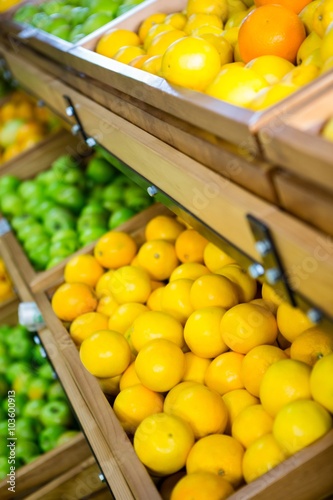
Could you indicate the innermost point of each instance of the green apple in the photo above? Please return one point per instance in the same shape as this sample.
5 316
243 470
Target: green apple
30 189
64 234
35 241
33 408
37 388
25 428
67 436
126 6
46 178
4 363
95 21
21 221
38 355
9 183
54 261
16 333
101 171
122 181
20 350
49 436
52 7
76 34
25 13
17 368
70 197
29 230
20 402
4 427
113 193
59 218
21 382
46 372
25 449
62 32
56 392
91 234
94 207
63 248
120 216
40 20
4 466
56 413
56 21
11 204
92 220
96 193
44 208
40 256
4 387
32 205
79 15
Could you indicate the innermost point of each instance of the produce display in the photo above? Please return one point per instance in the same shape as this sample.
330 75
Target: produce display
43 418
72 20
6 286
68 206
23 124
250 53
214 377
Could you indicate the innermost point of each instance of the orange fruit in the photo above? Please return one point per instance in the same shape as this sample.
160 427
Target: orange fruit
175 299
83 269
284 381
163 227
271 30
124 315
109 385
202 332
190 246
235 402
105 354
71 300
109 44
261 456
246 286
86 324
202 485
162 442
201 407
189 270
255 364
213 290
115 249
135 403
159 258
160 365
129 377
246 326
250 424
195 368
197 20
130 284
291 321
217 7
294 5
219 454
321 382
102 285
163 40
107 305
152 325
312 345
150 21
154 301
127 53
215 258
224 373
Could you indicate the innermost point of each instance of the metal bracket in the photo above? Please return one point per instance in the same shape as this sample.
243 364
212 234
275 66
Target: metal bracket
77 127
4 226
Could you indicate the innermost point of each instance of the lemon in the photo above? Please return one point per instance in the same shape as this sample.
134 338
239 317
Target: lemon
222 45
272 95
322 17
292 321
216 7
311 43
271 68
176 19
236 401
261 456
326 49
231 35
307 15
114 39
314 58
301 75
321 382
251 423
195 21
235 19
235 6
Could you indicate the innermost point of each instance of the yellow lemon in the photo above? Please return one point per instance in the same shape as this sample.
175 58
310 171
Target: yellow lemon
321 382
291 321
202 332
261 456
195 368
272 95
312 345
236 401
251 423
311 43
109 44
271 68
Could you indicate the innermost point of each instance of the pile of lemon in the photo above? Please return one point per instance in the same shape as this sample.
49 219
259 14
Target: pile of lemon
216 378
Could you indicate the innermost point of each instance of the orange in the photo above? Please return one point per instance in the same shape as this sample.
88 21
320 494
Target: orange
110 385
163 227
160 365
162 442
159 258
246 286
176 19
202 485
105 354
195 368
312 345
102 285
215 258
190 246
294 5
246 326
224 373
175 299
300 423
321 382
255 364
217 7
86 324
284 381
124 315
291 321
127 53
154 301
250 424
261 456
109 44
129 377
213 290
83 269
71 300
190 271
152 65
271 30
130 284
201 407
152 325
150 21
191 62
219 454
134 404
163 40
197 20
202 332
115 249
107 305
236 401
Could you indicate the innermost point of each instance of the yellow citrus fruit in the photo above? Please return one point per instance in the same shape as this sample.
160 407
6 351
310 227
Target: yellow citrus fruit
236 401
261 456
189 271
215 258
105 354
190 246
159 258
138 61
235 20
202 332
114 39
134 404
197 20
307 15
310 44
246 286
219 454
127 53
271 68
202 485
191 62
206 29
175 299
224 373
300 423
115 249
284 381
102 285
83 269
312 345
162 442
176 19
150 21
163 227
268 293
109 385
152 325
301 75
222 45
163 40
271 95
124 315
246 326
201 407
321 382
292 321
130 284
255 364
251 423
213 290
216 7
154 31
322 17
71 300
195 368
152 65
231 35
266 304
86 324
167 484
107 305
160 365
129 377
154 301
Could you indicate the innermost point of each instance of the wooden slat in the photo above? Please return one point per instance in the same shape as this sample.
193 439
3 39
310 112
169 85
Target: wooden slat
8 311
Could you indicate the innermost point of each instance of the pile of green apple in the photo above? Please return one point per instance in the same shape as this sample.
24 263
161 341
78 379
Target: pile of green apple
43 417
75 19
68 206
